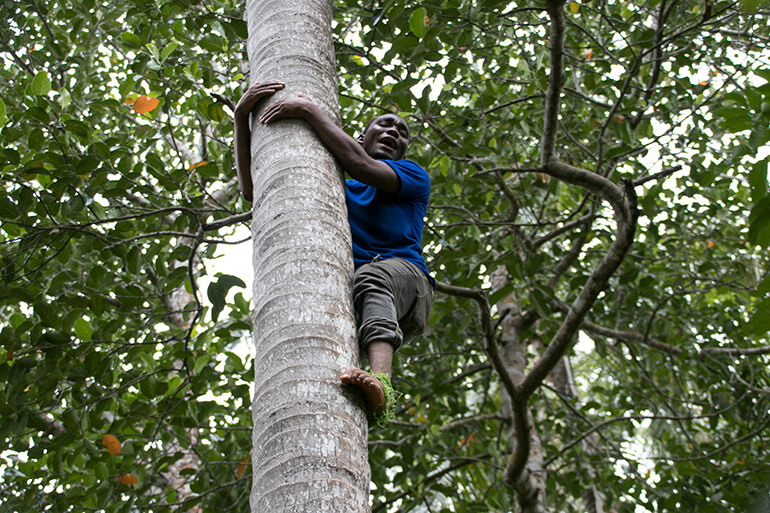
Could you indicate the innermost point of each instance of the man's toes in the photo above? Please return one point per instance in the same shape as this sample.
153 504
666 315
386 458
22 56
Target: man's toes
348 374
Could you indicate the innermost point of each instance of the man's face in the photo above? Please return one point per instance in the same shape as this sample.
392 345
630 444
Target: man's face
386 138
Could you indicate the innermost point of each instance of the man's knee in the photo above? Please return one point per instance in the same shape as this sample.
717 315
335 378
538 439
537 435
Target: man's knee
380 329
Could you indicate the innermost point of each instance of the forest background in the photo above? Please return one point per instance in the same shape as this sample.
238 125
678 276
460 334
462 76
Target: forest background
125 387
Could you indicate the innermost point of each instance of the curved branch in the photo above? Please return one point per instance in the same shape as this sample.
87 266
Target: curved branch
585 300
626 215
487 329
597 184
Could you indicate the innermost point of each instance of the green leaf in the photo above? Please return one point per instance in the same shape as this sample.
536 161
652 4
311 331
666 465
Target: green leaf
734 119
233 364
16 320
83 330
7 208
132 260
405 45
35 139
763 72
758 180
217 292
3 115
239 27
101 472
167 50
131 40
759 323
216 112
201 362
541 298
764 286
213 43
759 228
41 84
500 294
417 22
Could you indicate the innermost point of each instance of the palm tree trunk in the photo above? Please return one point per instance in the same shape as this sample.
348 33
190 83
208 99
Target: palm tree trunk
309 442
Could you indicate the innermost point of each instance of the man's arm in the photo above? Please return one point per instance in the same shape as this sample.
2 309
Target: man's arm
348 151
242 133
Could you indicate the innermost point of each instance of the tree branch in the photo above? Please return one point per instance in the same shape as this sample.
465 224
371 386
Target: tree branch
555 82
660 174
585 300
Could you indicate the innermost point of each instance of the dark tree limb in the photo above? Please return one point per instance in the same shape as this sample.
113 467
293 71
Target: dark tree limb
555 82
596 283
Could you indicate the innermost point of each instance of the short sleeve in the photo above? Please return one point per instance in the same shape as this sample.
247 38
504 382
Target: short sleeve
415 182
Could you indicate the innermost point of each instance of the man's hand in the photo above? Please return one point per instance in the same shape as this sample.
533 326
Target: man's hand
255 93
293 107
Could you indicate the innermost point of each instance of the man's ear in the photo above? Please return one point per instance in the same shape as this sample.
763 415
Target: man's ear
361 139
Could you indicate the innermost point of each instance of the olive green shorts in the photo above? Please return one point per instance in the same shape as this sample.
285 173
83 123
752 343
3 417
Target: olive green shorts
392 299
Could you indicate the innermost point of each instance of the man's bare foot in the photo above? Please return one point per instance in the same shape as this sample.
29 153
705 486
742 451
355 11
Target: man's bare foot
374 396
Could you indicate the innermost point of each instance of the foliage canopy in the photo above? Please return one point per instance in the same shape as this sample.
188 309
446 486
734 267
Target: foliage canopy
121 384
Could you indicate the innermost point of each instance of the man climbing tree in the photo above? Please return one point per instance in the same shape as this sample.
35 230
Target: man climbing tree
386 198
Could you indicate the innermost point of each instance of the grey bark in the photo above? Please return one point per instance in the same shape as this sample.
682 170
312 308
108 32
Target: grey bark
530 485
309 440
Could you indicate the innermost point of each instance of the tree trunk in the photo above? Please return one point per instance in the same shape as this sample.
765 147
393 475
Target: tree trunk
309 441
530 487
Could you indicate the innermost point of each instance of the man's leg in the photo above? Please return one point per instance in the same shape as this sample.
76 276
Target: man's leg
380 357
385 293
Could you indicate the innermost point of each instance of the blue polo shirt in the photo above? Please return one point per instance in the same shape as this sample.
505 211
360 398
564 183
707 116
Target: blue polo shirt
385 225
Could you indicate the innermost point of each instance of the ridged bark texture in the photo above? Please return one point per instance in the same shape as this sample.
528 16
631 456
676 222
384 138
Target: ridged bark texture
309 442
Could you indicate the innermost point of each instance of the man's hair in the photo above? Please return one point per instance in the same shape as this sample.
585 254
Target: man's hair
369 124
